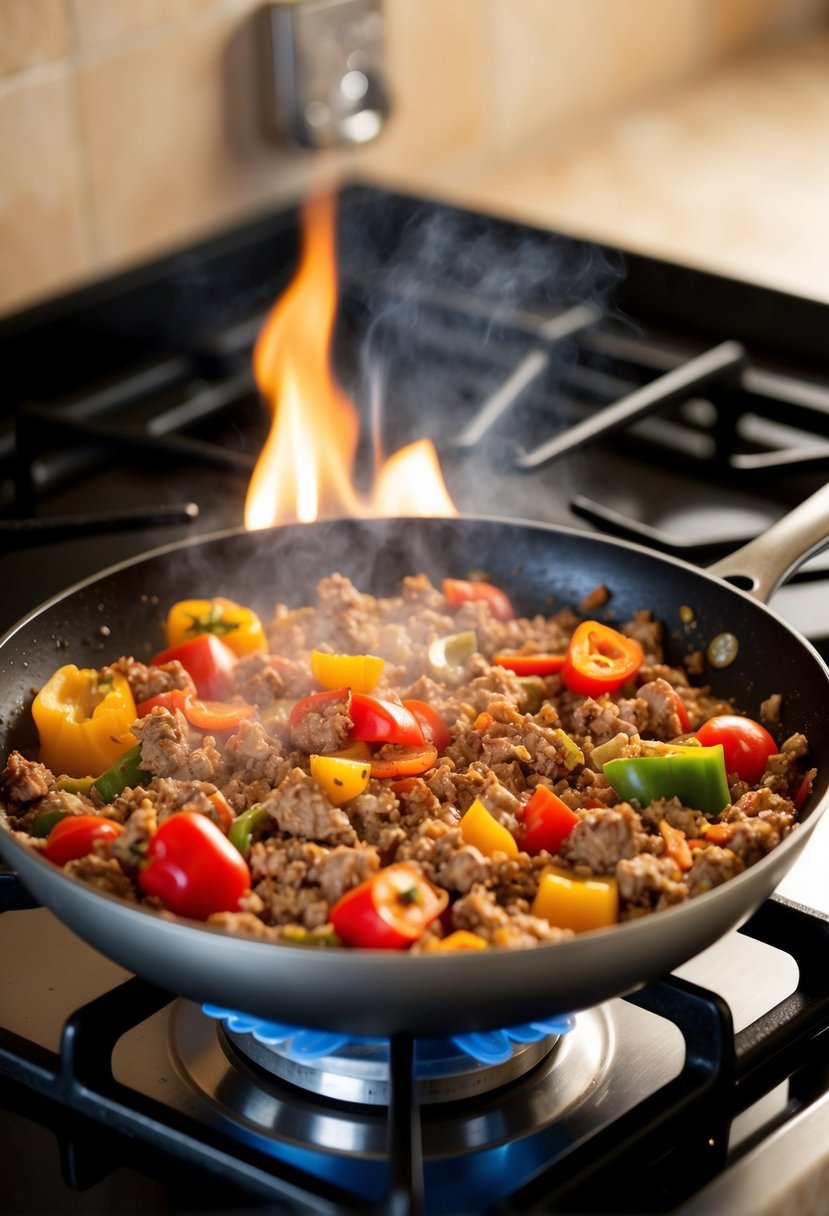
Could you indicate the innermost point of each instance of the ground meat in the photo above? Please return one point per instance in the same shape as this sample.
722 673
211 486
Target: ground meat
251 754
598 720
457 865
168 796
416 800
25 780
770 709
69 803
604 836
442 781
288 875
130 848
783 773
513 879
148 682
259 678
497 685
513 736
339 869
166 748
323 730
497 799
377 818
662 720
712 865
509 735
689 821
648 883
300 808
505 927
766 805
103 873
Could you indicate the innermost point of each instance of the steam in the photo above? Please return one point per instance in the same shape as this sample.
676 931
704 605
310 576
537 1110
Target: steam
466 314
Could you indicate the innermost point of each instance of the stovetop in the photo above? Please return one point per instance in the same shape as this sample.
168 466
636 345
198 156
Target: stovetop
133 401
489 337
696 1064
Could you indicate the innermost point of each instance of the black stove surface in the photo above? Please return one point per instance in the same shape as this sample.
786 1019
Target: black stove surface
488 337
136 395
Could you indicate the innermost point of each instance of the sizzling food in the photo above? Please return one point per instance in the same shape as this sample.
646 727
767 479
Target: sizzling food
422 772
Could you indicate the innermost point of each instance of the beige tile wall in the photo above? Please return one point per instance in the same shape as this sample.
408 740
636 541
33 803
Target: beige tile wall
131 126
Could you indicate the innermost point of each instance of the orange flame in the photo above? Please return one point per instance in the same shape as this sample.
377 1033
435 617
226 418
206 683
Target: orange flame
304 470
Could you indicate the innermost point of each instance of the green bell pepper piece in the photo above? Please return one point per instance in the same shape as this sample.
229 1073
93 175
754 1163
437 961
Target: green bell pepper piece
74 785
241 830
45 821
124 774
535 690
694 775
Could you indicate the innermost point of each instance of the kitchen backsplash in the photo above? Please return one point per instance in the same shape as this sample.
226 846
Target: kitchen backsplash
128 127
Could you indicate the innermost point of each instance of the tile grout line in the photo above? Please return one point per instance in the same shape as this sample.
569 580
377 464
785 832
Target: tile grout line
89 225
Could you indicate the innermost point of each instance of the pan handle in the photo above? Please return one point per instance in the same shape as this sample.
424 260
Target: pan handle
764 563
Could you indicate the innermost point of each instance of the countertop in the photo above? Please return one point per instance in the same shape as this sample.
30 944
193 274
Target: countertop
729 173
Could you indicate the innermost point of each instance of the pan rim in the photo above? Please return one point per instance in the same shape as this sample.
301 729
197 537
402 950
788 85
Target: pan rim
539 526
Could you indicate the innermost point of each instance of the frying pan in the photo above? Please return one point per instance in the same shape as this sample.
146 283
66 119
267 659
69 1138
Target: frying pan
379 992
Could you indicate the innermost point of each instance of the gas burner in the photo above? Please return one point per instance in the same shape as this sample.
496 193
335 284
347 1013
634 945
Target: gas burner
577 1085
356 1068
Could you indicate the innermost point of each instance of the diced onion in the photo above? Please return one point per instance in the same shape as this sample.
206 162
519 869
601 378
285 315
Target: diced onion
722 650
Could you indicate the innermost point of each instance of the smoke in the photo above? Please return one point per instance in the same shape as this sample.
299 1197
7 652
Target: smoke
463 313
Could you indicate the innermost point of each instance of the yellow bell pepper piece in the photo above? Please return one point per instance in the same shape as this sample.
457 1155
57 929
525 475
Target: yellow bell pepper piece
481 829
461 939
83 721
341 778
238 627
357 749
359 672
576 903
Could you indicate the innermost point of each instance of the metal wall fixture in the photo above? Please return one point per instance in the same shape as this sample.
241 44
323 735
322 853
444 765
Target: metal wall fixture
323 72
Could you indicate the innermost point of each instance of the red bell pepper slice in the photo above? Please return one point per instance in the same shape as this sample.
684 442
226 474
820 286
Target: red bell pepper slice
405 762
208 661
803 791
173 699
432 725
458 591
388 911
547 822
74 836
599 659
217 715
378 721
193 868
531 664
204 715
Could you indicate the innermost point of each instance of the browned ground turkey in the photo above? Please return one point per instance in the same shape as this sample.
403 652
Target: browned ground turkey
509 735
